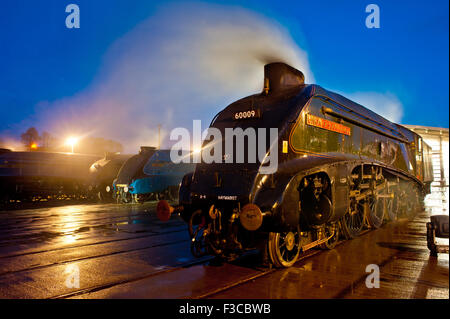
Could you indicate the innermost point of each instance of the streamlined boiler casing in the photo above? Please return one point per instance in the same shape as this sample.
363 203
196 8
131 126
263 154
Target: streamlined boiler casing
149 175
102 174
336 161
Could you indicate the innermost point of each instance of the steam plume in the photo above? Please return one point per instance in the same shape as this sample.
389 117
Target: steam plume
184 63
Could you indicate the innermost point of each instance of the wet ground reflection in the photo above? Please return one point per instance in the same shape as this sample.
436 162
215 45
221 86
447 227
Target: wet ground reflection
124 251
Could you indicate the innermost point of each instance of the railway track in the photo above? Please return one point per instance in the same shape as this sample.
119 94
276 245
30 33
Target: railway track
129 280
112 252
109 215
400 252
28 231
27 235
68 261
258 273
90 244
302 257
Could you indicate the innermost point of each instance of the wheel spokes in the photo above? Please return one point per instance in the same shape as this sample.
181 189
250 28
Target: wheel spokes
376 211
354 220
284 248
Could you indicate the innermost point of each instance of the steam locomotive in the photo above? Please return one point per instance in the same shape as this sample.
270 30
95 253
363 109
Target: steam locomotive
341 168
102 174
162 177
28 176
150 175
131 170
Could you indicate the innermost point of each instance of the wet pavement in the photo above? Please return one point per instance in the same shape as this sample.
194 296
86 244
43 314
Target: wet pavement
124 251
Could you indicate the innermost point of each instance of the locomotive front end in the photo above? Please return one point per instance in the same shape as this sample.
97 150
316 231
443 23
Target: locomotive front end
240 157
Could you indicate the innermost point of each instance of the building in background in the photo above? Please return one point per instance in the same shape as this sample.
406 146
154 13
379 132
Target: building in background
438 201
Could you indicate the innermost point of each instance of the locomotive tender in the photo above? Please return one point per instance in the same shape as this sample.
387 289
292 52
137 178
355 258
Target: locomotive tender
341 167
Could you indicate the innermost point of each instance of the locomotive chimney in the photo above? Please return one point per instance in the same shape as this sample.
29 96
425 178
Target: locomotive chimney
145 149
279 76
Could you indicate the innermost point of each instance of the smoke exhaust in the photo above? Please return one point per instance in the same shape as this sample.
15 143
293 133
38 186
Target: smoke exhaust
280 76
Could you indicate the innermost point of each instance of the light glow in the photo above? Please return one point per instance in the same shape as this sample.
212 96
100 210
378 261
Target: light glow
72 141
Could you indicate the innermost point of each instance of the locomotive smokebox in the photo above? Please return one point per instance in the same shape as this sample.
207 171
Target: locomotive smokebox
280 76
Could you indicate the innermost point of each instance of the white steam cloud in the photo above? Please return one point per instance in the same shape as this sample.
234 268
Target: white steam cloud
186 62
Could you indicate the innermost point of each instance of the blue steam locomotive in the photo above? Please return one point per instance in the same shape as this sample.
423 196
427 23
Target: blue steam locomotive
149 175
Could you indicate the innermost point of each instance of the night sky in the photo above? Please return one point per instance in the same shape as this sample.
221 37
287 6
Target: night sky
42 61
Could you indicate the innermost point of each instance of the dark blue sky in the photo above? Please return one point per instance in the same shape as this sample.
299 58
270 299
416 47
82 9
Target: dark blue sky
42 60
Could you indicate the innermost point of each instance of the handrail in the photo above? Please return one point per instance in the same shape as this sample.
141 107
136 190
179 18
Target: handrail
347 109
331 112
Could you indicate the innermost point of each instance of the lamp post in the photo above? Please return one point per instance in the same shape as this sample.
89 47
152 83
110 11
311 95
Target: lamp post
159 136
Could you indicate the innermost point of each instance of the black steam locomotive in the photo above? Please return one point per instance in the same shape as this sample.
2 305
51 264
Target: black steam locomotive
341 167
